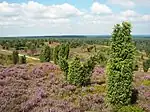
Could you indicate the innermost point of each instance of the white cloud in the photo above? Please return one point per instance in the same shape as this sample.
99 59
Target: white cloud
35 11
33 18
142 2
146 18
98 8
129 13
124 3
130 3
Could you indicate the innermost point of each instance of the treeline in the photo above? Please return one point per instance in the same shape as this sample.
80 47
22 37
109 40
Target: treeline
21 43
48 53
143 45
31 43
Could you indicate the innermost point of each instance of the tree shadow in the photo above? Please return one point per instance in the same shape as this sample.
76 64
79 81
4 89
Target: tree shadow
134 96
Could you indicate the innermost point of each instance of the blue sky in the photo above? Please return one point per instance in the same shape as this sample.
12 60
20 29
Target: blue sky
53 17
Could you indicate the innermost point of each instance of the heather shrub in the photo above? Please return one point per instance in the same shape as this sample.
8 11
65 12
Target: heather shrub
120 66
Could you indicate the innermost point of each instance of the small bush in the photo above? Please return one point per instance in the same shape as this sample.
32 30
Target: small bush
130 109
80 74
146 82
146 65
15 57
100 58
23 60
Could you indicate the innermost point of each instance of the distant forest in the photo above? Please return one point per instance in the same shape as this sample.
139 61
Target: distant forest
73 36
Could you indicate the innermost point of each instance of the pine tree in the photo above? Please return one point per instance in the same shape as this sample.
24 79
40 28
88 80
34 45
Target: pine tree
23 60
120 65
15 57
45 54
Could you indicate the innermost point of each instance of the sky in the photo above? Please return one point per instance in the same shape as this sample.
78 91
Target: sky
72 17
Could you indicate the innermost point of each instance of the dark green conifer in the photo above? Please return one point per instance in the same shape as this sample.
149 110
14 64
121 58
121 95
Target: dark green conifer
120 65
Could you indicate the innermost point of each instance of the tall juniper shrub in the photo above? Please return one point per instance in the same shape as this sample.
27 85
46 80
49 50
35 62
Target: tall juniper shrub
80 73
120 66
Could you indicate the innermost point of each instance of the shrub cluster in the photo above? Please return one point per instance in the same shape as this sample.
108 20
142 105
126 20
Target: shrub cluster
78 73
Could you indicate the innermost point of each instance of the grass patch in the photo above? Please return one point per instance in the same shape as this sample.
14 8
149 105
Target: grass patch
146 82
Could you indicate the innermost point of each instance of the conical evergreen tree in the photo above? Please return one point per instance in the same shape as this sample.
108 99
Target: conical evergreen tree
120 65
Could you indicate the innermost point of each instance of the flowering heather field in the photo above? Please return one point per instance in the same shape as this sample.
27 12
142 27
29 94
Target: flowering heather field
41 88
